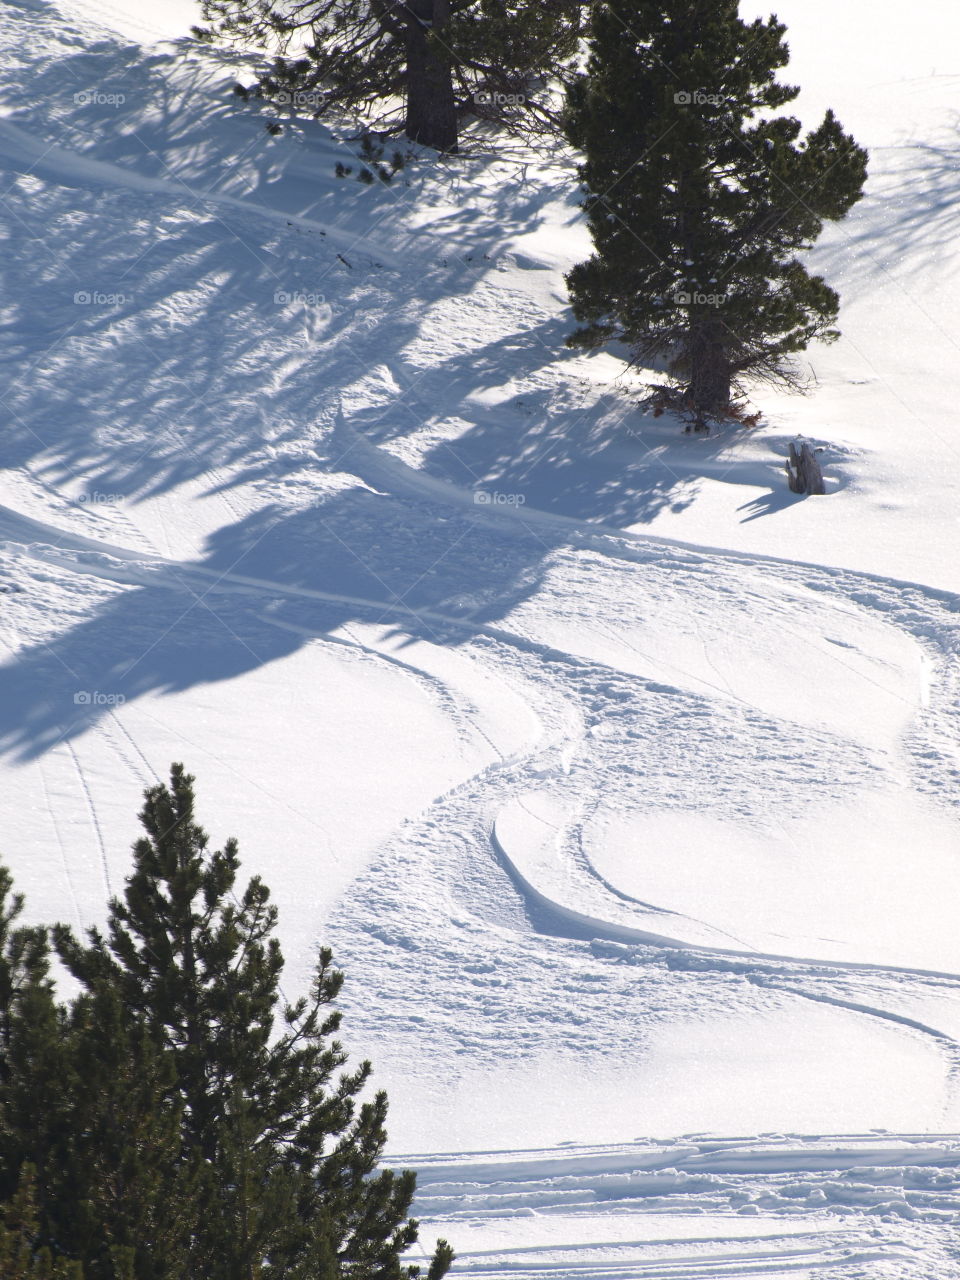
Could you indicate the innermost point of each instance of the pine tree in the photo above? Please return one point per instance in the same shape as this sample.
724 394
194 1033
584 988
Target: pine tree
442 59
85 1106
32 1032
280 1157
21 1256
120 1178
700 196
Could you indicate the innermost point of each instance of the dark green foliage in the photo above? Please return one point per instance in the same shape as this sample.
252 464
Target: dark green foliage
371 150
120 1177
21 1257
30 1092
700 195
32 1031
424 66
186 1123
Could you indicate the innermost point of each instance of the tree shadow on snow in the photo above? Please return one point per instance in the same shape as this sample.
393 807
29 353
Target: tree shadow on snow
186 628
154 338
908 219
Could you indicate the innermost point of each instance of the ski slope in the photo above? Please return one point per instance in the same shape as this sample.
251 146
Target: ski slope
623 783
701 1208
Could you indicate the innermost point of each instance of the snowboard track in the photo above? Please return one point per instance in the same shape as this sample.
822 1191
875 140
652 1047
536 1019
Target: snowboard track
864 1200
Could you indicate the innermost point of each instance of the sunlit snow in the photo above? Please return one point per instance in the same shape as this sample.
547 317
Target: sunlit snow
623 782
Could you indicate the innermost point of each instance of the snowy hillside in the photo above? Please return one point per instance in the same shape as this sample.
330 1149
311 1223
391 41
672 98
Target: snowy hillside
624 783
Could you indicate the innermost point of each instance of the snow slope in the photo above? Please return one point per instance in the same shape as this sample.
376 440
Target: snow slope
623 782
701 1209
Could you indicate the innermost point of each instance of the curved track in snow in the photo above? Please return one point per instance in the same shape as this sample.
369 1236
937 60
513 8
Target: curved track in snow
925 613
567 693
653 695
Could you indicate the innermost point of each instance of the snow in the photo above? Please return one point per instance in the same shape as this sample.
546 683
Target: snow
797 1064
652 1209
820 892
623 782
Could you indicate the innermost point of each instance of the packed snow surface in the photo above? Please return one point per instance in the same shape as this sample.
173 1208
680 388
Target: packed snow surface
623 782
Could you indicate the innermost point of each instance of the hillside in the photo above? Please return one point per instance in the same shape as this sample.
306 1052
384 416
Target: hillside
623 782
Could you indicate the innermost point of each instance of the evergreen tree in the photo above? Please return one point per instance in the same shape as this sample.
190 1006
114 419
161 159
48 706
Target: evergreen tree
278 1157
443 59
121 1195
21 1256
700 195
32 1032
80 1110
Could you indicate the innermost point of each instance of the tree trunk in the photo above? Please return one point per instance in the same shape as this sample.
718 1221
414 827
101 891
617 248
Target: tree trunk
710 371
431 108
803 469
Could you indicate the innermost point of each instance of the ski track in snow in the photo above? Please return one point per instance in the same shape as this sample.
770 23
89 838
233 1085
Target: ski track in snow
142 767
478 795
778 1206
445 917
27 154
489 791
950 1044
94 820
51 809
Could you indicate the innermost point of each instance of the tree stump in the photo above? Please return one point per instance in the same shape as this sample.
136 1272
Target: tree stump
803 469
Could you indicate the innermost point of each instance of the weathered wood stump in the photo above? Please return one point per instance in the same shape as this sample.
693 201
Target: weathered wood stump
803 469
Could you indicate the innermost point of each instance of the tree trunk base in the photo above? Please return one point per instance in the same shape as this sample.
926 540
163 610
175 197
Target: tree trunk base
710 375
803 469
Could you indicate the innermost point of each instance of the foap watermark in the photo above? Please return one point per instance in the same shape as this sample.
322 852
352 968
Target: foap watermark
97 98
494 98
691 298
100 499
298 297
697 98
491 498
95 698
96 298
298 98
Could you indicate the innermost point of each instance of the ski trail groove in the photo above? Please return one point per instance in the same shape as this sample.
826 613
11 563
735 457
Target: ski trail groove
440 690
761 980
91 809
148 771
64 860
20 148
612 889
608 540
133 568
951 1045
858 1205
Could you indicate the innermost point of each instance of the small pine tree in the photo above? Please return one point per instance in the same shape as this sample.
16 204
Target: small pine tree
700 196
280 1158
